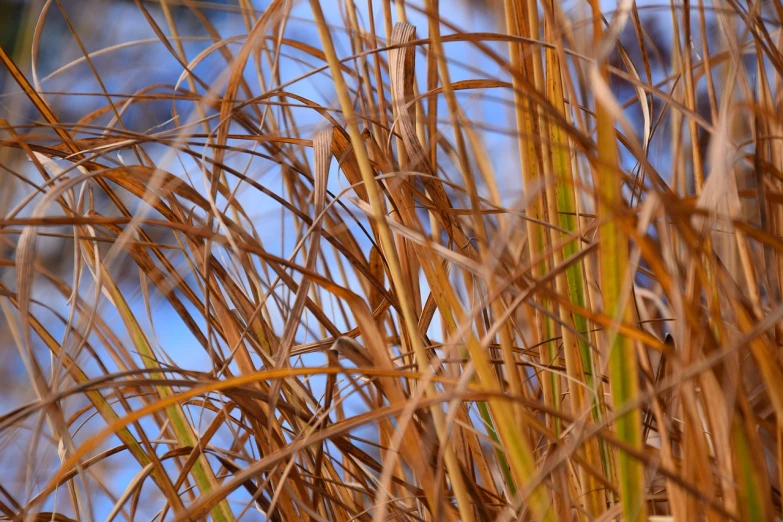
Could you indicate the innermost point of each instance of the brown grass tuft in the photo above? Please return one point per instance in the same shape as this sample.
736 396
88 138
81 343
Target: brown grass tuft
388 260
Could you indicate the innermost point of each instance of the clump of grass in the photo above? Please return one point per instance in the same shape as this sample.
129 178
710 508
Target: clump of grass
386 263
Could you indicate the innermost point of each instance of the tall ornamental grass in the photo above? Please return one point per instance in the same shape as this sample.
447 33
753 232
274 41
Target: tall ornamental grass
391 260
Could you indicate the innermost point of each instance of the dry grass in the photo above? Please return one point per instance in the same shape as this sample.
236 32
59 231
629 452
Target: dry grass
374 263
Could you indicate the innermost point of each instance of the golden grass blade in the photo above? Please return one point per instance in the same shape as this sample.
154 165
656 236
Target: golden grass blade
614 255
